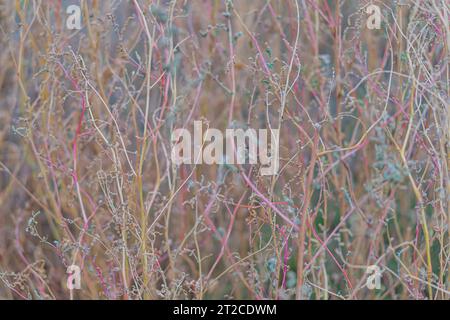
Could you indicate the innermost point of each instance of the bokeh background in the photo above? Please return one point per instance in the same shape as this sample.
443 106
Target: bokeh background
86 118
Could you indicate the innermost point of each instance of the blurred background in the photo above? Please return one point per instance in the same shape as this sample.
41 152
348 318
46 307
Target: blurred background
86 118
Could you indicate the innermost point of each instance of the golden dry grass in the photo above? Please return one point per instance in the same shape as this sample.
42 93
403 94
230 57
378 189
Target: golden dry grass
86 118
